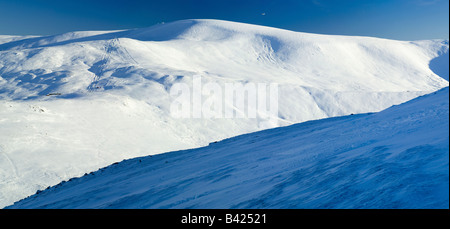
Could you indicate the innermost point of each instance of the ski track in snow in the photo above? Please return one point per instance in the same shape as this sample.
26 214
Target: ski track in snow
11 163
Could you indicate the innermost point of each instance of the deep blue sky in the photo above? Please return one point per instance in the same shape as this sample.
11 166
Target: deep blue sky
394 19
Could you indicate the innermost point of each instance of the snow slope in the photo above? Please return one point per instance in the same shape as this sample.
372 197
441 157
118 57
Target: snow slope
397 158
76 102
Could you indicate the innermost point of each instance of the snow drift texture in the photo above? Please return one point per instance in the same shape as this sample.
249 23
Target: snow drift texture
79 101
397 158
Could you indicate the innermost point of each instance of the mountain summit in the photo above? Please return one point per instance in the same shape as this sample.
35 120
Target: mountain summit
76 102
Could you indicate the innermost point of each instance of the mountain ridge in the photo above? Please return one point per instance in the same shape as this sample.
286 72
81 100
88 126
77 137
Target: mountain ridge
396 158
71 106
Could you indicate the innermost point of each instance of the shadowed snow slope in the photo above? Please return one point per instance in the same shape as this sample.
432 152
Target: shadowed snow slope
397 158
76 102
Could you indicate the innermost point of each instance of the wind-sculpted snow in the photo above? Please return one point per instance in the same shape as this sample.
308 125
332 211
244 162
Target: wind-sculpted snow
76 102
397 158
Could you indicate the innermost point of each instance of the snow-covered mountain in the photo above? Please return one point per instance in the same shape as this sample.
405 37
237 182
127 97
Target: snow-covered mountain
76 102
397 158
